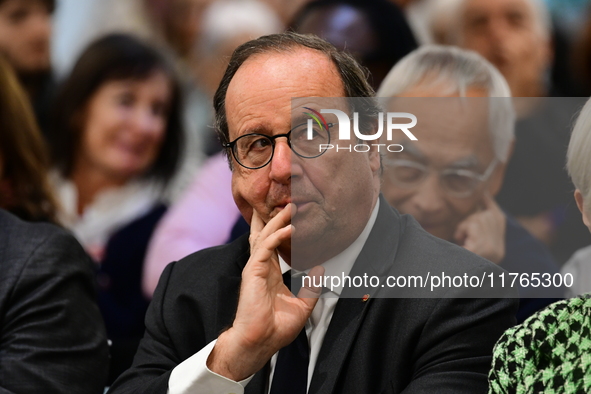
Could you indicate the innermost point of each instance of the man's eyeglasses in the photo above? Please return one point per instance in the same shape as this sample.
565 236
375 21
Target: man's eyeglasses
256 150
458 183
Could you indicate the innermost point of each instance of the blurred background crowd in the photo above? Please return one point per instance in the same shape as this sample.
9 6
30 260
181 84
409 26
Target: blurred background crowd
106 117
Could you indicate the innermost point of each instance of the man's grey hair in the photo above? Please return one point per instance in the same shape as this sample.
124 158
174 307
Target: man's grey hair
455 70
542 19
578 156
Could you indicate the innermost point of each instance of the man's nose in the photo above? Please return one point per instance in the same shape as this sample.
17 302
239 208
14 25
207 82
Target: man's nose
281 162
429 198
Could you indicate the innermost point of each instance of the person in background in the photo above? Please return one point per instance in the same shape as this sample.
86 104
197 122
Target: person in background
117 119
580 57
469 156
579 168
24 187
550 351
171 26
419 13
225 25
516 37
202 218
52 337
25 34
376 33
180 22
205 214
237 294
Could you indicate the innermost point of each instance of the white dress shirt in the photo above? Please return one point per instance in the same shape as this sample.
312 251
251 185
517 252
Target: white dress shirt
192 375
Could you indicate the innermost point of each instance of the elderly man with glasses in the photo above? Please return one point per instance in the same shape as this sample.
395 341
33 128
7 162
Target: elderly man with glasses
223 320
447 179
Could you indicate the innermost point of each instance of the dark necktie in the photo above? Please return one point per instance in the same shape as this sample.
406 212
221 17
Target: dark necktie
291 369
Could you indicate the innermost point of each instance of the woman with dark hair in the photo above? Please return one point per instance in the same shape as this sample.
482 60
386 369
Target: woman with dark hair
117 134
25 43
24 187
375 32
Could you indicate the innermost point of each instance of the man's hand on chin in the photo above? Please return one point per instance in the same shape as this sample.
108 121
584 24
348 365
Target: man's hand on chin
268 316
483 232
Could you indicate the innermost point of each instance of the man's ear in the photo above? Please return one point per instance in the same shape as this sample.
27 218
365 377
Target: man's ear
581 204
375 160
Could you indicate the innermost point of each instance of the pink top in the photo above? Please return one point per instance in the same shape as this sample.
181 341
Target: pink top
203 217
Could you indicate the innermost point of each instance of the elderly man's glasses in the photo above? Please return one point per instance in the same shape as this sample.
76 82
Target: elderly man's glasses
256 150
458 183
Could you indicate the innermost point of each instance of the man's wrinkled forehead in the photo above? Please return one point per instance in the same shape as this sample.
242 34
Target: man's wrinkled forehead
302 60
303 107
277 77
440 113
452 124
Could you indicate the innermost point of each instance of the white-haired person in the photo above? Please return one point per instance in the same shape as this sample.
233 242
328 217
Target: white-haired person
579 168
516 37
549 352
448 178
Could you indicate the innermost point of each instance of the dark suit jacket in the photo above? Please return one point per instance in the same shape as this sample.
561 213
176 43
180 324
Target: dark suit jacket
120 297
526 254
383 345
52 337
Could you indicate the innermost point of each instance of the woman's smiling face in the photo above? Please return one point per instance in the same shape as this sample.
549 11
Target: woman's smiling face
124 125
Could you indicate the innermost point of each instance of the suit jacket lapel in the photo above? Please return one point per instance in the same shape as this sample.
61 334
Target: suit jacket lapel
376 258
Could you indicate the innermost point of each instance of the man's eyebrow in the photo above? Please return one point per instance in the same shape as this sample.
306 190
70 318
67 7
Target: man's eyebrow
259 129
468 162
299 118
302 114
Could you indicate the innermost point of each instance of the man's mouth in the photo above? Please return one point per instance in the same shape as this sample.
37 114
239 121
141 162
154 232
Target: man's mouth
282 205
302 205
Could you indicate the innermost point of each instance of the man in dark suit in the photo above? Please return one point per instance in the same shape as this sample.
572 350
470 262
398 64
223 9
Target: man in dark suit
52 337
220 317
